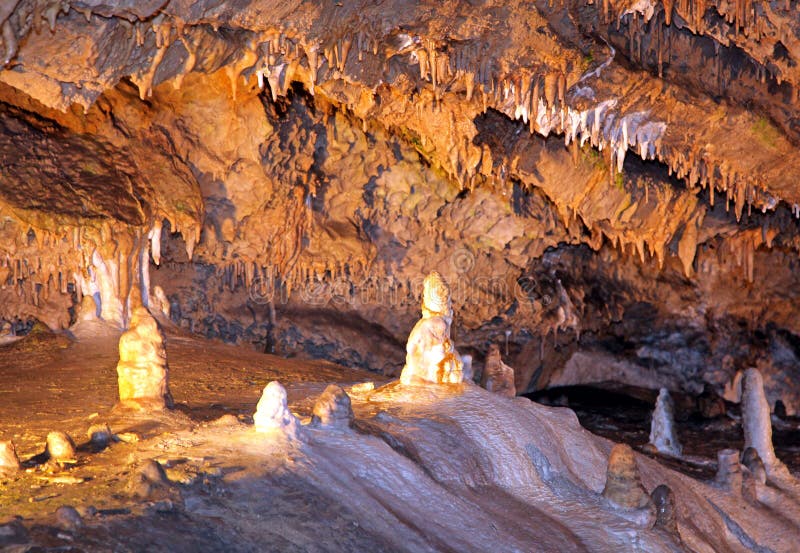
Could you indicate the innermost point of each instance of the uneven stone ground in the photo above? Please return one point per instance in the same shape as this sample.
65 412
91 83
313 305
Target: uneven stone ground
430 469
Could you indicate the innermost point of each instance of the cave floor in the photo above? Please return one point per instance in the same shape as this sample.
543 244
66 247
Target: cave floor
451 468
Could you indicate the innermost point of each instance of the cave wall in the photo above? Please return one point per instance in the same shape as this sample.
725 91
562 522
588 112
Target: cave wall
611 190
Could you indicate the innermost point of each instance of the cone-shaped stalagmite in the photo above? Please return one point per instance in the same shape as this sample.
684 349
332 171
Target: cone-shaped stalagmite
9 462
430 355
662 426
333 408
143 374
497 376
272 412
623 486
757 424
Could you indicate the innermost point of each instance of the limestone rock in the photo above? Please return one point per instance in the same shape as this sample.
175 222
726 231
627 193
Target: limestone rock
143 374
9 462
333 408
757 424
68 518
149 481
273 414
662 427
60 447
430 355
12 533
623 485
497 376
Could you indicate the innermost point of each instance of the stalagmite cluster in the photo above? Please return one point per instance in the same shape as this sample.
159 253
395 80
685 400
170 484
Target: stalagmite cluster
142 371
430 354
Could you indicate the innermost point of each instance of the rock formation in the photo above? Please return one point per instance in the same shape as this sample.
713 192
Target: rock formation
430 354
142 371
333 408
662 426
9 462
757 424
273 414
60 447
497 376
623 486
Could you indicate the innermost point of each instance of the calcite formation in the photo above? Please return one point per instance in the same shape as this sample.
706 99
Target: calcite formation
142 371
663 435
497 376
333 408
430 354
273 414
729 470
623 484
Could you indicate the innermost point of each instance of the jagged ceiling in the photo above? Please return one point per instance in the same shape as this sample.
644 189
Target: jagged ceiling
651 147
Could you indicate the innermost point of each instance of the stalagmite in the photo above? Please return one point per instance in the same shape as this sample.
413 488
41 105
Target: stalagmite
9 462
623 486
662 426
729 471
757 424
273 414
60 447
755 465
143 374
497 376
666 512
333 408
430 355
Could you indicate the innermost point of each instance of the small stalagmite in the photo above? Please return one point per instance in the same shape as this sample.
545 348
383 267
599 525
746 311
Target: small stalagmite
666 515
497 376
9 462
623 485
143 374
430 355
662 427
272 412
333 408
729 471
60 447
757 424
755 465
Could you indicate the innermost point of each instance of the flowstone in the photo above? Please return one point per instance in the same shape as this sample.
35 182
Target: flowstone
143 374
430 355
